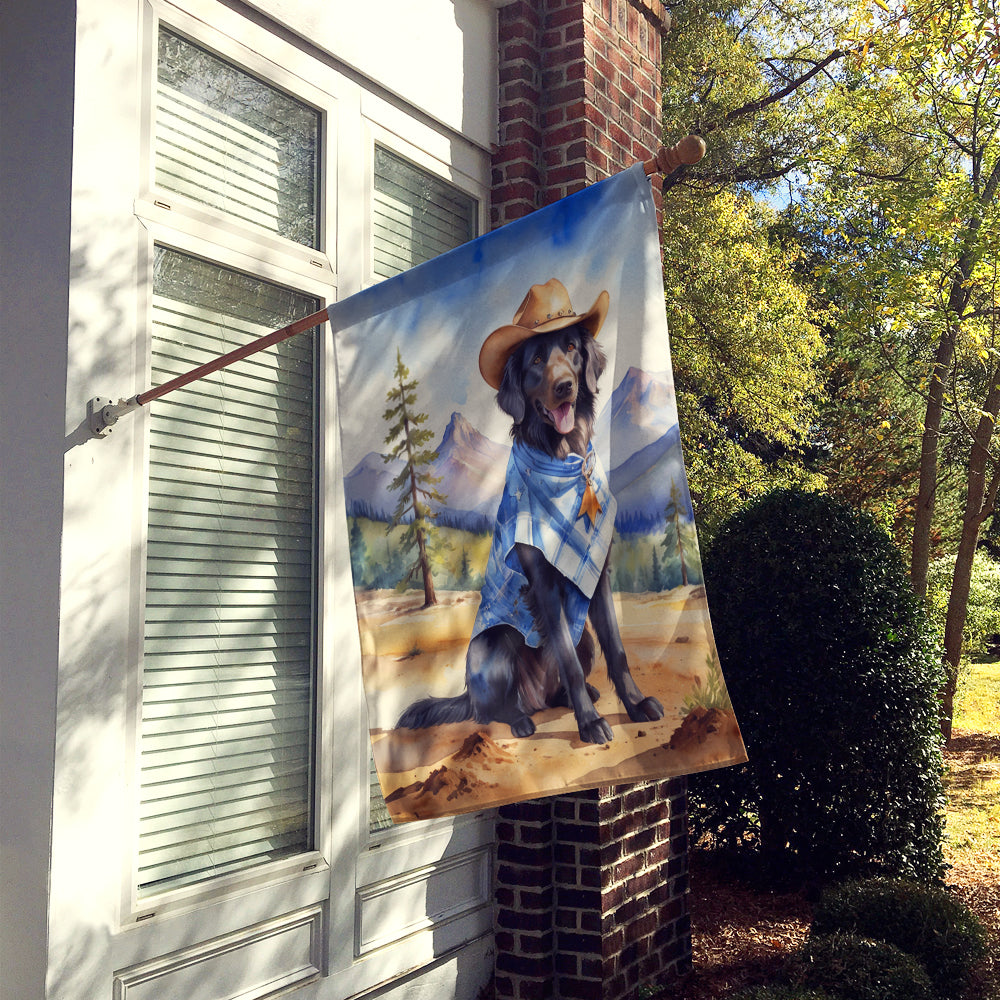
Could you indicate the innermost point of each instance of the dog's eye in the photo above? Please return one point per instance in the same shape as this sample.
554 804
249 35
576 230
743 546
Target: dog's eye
571 346
537 360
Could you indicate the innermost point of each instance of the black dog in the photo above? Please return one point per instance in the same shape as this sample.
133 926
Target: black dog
549 389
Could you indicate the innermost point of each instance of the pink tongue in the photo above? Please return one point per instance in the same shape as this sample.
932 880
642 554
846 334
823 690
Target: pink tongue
563 418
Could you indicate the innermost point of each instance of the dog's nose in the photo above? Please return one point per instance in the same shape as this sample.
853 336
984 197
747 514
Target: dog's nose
564 388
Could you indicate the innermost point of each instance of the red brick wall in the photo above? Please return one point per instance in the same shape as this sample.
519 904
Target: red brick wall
591 888
579 96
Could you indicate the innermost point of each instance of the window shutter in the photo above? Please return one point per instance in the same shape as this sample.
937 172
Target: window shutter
228 664
416 216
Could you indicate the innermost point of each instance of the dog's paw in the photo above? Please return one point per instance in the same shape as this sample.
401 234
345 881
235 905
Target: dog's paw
647 710
522 727
597 731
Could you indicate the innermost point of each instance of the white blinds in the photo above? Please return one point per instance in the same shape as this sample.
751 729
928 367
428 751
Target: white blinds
225 139
416 216
227 682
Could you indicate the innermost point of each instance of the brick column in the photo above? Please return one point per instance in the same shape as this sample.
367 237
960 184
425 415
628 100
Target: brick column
579 96
591 888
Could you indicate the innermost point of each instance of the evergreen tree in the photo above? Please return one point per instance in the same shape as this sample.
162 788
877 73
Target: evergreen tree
359 551
672 540
415 484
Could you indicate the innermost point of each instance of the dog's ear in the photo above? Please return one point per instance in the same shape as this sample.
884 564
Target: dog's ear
596 360
510 397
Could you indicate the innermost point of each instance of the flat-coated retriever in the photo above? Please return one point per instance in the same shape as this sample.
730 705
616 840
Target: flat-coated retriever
549 388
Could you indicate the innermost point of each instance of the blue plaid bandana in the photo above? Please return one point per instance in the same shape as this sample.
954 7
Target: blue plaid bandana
564 508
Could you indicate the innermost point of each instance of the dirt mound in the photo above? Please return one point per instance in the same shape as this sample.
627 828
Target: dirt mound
698 726
442 784
479 748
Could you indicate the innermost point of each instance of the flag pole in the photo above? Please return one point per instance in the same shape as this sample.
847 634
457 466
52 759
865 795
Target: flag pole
103 413
687 152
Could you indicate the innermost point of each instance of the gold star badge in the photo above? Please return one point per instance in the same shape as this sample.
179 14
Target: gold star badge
590 505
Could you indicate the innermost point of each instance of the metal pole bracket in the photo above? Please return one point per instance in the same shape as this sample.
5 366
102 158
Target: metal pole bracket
103 413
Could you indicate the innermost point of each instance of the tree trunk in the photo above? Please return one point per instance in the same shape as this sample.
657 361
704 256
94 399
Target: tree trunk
979 500
920 553
430 597
958 300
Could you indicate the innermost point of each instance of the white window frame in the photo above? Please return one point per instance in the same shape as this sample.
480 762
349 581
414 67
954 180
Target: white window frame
179 224
351 872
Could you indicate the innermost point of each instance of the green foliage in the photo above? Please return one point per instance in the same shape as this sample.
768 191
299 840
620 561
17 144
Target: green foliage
926 922
746 353
458 558
783 992
857 968
639 563
414 483
833 673
983 611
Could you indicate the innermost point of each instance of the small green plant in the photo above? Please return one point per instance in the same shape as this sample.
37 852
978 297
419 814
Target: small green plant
711 694
926 922
855 968
779 992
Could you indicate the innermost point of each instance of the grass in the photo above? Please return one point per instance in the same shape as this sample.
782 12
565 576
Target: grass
973 807
973 783
978 698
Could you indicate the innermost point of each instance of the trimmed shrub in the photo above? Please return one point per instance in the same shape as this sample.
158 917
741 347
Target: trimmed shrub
856 968
833 672
926 922
783 993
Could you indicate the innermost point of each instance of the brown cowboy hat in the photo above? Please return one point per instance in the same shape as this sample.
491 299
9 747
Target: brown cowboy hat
545 308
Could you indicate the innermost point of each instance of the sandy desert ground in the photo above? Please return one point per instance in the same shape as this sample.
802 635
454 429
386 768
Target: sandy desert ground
410 652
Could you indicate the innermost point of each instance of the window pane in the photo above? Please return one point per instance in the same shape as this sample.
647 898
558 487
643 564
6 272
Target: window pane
416 217
228 140
228 662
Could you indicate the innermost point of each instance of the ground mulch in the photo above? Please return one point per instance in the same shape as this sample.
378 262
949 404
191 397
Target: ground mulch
742 934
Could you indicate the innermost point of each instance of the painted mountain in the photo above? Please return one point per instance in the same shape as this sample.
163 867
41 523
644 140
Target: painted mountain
470 466
646 452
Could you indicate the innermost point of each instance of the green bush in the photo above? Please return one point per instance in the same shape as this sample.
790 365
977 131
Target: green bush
833 672
924 921
783 993
856 968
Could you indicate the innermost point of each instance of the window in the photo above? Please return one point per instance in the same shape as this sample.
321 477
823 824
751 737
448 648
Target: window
416 216
229 647
228 140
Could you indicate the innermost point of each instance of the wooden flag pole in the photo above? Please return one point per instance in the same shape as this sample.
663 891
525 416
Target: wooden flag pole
668 158
102 413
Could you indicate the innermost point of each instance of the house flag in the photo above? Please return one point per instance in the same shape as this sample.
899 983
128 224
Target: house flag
526 574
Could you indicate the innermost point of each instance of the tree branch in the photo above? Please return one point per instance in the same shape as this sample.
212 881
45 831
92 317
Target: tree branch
754 106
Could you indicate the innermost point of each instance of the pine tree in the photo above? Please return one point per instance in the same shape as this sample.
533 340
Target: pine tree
359 550
415 484
673 512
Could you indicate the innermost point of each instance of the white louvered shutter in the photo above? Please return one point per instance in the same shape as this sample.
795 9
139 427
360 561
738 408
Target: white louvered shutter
416 215
232 142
